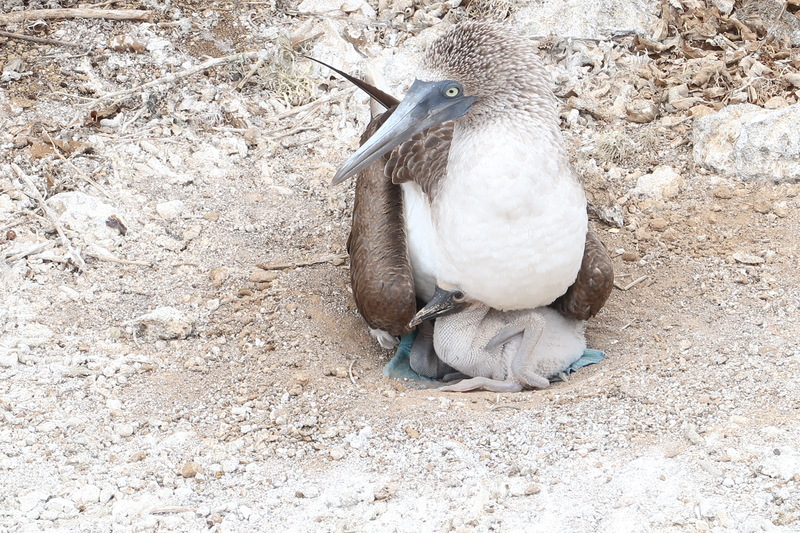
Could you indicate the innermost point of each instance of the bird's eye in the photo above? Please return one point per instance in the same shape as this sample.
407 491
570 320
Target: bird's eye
458 296
452 91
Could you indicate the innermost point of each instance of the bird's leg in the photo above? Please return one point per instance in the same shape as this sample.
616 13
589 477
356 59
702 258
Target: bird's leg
455 376
532 330
423 358
481 383
505 335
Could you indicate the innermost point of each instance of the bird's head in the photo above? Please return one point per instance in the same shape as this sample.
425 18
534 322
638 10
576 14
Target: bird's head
442 303
472 70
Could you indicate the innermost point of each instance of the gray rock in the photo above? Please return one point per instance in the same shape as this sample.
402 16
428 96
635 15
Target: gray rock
8 358
86 494
29 501
165 323
592 20
749 142
85 214
663 182
170 210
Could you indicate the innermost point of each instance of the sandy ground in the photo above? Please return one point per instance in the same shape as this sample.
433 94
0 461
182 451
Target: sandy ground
267 410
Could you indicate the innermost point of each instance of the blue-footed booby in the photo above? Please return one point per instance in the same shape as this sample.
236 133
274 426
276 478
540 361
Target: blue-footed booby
467 181
500 351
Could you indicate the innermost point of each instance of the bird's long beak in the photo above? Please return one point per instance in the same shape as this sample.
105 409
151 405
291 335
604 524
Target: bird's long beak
442 303
424 106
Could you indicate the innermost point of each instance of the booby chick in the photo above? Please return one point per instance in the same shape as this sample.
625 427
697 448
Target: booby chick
477 188
501 351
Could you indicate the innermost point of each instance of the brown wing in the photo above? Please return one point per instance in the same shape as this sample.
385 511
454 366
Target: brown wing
594 283
380 271
422 158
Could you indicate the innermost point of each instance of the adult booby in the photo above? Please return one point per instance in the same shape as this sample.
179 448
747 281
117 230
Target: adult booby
501 351
487 199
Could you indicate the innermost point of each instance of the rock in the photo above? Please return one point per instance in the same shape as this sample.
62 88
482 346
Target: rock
170 210
592 20
337 453
30 500
8 358
533 488
86 494
663 182
641 111
746 258
218 276
230 465
86 215
60 505
725 6
170 243
263 276
724 192
165 323
191 469
34 334
750 142
124 430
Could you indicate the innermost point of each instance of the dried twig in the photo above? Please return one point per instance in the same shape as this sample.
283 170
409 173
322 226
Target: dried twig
350 372
310 105
169 78
30 251
309 262
57 151
112 259
40 40
249 75
632 284
76 258
496 407
171 509
75 13
293 144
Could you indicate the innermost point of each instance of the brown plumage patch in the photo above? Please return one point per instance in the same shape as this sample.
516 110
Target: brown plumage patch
380 270
593 286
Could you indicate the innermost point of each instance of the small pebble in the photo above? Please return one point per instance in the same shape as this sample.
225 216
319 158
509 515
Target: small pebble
263 276
170 210
658 224
124 430
336 453
411 432
533 488
191 469
723 191
218 276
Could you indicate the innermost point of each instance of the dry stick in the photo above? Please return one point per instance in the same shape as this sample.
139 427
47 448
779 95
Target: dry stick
57 150
350 371
112 259
34 250
76 13
76 258
169 78
772 26
630 285
295 264
40 40
319 101
250 73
